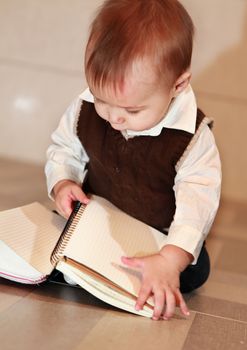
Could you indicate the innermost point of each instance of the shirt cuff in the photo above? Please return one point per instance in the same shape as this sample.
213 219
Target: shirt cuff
63 172
187 238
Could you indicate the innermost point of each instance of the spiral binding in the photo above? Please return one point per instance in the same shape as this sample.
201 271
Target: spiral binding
68 230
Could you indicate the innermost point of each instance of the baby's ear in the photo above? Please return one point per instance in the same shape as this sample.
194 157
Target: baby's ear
182 82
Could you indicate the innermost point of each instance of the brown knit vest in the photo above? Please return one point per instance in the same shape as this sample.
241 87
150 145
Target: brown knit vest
137 175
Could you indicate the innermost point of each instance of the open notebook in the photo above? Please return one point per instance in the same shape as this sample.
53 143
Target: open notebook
87 248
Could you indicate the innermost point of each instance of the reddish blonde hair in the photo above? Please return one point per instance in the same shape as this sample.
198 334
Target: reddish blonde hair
125 31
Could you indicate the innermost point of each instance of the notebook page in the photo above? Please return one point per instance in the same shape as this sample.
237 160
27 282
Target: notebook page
104 234
31 232
16 268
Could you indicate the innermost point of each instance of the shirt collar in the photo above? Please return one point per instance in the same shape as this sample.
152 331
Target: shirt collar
181 114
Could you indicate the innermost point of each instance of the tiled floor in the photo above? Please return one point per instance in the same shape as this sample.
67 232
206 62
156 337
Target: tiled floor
52 316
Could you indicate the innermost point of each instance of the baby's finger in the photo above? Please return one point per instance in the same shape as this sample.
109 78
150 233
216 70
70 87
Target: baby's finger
182 304
144 294
65 209
64 206
62 212
159 301
170 305
132 262
79 195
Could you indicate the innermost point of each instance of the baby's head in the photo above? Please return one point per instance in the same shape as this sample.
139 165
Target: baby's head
138 59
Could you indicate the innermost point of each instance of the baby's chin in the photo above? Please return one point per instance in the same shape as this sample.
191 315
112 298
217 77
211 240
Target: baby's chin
124 127
119 127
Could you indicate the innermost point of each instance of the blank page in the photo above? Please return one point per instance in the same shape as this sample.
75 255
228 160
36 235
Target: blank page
31 232
104 234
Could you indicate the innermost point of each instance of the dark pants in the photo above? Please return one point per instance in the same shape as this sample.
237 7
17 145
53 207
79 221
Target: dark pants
195 275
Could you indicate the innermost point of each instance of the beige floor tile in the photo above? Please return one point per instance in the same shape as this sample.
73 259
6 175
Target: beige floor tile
229 278
63 317
214 246
21 183
230 223
11 293
231 217
216 333
233 257
224 291
218 307
41 325
123 331
230 232
51 321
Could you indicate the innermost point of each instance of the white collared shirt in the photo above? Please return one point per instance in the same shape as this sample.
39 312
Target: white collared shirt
197 183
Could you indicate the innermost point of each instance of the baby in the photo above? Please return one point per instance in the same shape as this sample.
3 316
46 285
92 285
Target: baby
137 134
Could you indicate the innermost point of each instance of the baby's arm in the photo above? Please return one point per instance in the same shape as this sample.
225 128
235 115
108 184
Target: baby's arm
197 191
66 161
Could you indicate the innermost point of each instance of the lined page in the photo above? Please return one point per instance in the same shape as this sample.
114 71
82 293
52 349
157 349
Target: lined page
16 268
31 232
104 234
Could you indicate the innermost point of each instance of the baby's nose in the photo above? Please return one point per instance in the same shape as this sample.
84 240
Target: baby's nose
116 118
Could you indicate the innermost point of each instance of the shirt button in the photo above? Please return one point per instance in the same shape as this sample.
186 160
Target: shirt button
117 170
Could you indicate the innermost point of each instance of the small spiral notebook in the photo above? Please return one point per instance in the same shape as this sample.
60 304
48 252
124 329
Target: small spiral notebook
87 248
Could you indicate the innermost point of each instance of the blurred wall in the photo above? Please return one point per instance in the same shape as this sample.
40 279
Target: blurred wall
219 80
41 59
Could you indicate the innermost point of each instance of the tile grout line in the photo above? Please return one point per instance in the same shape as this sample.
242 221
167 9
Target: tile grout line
220 317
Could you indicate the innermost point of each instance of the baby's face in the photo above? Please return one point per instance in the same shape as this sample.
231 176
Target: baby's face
140 105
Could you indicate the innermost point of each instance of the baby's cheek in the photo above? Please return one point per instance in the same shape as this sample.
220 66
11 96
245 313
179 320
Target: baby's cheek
102 112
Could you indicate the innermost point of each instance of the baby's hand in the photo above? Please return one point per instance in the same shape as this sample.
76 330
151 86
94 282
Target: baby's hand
160 279
66 192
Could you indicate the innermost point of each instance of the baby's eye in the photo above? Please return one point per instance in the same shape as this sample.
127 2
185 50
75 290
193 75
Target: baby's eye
133 112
